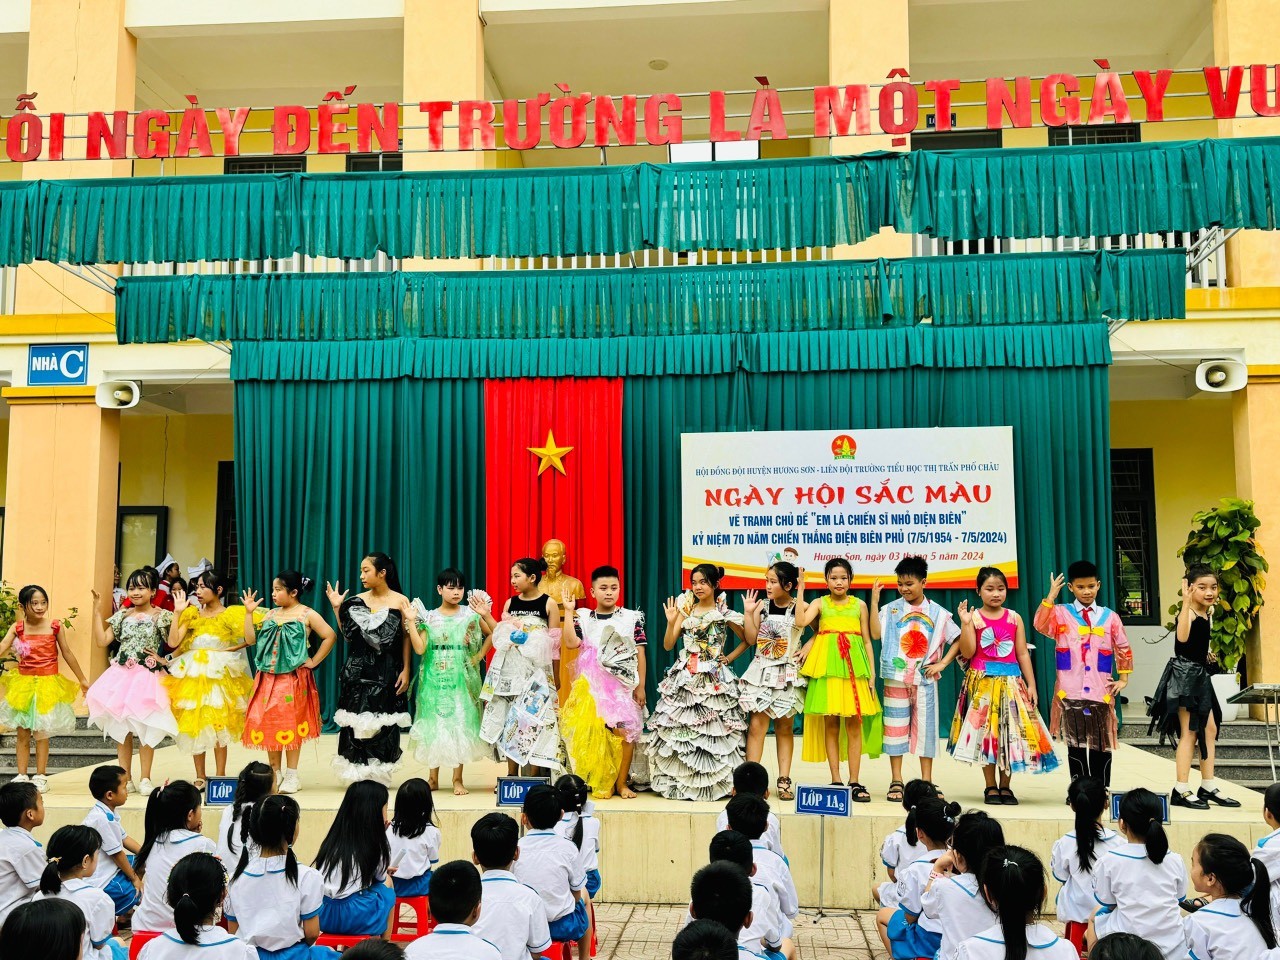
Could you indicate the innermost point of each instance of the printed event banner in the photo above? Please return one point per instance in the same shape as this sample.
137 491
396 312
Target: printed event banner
871 496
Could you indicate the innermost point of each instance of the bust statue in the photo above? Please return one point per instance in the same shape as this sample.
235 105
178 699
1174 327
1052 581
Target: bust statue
559 586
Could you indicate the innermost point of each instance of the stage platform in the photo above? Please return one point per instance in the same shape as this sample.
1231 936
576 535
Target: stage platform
651 846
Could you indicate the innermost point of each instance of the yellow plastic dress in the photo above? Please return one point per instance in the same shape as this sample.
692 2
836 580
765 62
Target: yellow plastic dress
209 686
839 676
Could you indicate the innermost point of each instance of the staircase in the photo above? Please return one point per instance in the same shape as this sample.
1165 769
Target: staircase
84 747
1241 754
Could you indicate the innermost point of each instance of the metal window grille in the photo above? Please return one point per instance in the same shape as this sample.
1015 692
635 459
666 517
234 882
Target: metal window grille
374 162
1098 133
235 165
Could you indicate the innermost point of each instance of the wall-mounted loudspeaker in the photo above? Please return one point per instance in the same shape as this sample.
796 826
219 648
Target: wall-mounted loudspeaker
118 394
1221 376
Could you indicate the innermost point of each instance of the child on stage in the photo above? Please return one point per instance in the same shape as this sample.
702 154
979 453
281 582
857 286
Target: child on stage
209 682
36 698
604 715
130 698
772 688
521 718
452 640
839 664
695 733
913 632
1090 642
372 707
996 722
284 708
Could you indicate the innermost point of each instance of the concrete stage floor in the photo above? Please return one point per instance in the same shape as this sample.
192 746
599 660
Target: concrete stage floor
651 846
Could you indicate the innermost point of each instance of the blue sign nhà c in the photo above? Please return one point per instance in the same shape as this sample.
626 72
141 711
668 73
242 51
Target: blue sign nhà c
57 364
511 790
824 801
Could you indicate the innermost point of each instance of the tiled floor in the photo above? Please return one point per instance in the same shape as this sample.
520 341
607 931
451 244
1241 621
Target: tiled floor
645 932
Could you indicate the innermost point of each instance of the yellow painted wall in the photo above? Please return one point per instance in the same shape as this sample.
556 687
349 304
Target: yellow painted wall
173 462
1193 460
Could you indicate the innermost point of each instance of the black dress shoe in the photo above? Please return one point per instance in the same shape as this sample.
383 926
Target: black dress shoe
1214 796
1188 800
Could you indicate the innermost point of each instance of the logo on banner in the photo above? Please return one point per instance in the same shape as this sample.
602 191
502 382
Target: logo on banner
57 364
844 447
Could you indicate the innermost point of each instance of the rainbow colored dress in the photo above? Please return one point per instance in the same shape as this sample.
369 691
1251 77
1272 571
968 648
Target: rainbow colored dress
995 722
839 680
36 696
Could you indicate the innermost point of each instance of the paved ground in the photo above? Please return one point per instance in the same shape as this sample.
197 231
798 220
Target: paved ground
645 932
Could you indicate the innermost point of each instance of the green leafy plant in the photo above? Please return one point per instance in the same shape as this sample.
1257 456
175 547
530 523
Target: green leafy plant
1224 540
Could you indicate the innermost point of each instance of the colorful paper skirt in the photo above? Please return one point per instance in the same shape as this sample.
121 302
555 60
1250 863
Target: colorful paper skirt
284 711
42 704
209 690
995 724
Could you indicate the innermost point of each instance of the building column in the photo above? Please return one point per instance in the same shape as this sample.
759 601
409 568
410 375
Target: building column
443 60
60 503
867 39
1242 35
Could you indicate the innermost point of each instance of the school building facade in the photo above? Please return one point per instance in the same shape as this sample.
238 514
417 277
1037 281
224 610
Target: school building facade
84 487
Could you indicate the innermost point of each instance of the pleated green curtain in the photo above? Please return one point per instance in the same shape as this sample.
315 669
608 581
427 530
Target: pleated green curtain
517 305
1061 460
328 472
753 205
19 221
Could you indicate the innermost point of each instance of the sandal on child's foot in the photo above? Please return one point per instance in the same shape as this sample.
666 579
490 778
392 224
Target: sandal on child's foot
895 791
1007 797
785 791
859 793
991 797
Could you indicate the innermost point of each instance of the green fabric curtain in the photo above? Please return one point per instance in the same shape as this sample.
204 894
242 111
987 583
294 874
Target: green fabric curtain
752 205
328 472
1061 461
577 304
19 219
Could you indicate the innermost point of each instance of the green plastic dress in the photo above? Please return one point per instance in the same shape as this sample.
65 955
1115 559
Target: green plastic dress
446 723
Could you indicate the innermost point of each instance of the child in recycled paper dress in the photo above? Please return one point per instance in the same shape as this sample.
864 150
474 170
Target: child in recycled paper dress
452 639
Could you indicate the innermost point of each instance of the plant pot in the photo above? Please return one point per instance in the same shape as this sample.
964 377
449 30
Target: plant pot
1227 685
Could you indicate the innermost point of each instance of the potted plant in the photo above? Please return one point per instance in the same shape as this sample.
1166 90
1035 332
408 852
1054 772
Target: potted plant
1224 541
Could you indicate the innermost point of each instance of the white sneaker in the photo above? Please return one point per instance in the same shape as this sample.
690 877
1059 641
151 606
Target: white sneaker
41 782
145 787
21 778
133 786
290 783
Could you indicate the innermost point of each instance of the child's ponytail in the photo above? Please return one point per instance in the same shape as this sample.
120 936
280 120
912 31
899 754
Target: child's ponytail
167 809
1088 798
912 794
197 885
573 793
1141 812
273 824
1013 884
256 780
68 848
1227 859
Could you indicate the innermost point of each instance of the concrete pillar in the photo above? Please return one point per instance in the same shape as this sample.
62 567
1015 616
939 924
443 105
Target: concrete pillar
443 60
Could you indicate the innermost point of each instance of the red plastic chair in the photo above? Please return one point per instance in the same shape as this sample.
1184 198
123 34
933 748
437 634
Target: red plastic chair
423 922
139 940
338 941
560 951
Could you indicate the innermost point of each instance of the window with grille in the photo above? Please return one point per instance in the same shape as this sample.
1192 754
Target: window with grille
264 165
1097 133
226 542
374 162
1133 519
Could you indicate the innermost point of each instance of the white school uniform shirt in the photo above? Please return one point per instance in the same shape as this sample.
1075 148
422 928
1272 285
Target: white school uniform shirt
111 830
418 855
99 915
1220 931
765 931
589 853
1076 901
549 863
896 853
452 941
229 853
1042 944
772 832
22 861
267 908
1268 851
213 943
1144 896
512 916
773 871
957 906
154 913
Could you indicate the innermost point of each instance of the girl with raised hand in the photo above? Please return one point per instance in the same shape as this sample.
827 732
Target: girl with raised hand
256 781
172 823
1076 854
1013 884
195 892
1236 924
73 856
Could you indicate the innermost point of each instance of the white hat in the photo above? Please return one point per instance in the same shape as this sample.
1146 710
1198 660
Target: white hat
166 563
199 568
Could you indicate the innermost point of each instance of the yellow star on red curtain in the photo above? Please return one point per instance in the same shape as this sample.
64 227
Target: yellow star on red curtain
550 454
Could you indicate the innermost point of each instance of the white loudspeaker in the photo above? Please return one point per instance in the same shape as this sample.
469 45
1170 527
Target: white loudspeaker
118 394
1221 376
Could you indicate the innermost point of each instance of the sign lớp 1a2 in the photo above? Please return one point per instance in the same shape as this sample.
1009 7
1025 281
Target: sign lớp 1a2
511 790
824 801
219 791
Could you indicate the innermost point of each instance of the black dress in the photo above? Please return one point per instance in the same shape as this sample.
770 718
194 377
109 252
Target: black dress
370 712
1185 685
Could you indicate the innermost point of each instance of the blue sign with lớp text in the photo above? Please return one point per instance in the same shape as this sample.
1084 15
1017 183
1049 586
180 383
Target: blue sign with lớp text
219 791
57 364
511 790
824 801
